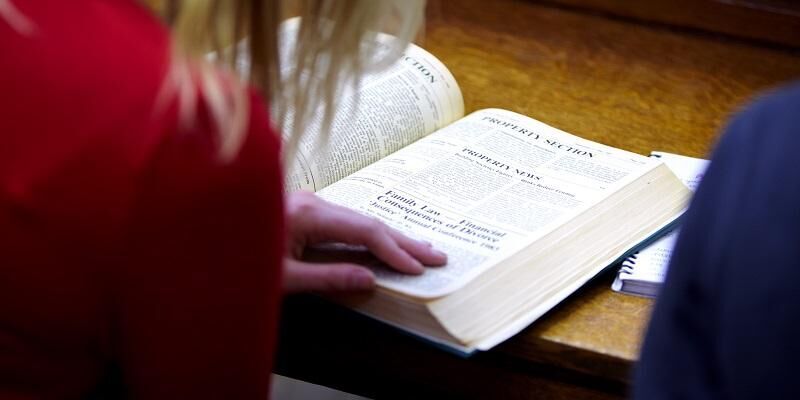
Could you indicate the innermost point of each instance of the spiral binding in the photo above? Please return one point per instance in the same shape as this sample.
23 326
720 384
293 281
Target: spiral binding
629 264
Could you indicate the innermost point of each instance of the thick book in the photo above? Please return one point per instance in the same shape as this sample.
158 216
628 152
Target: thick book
526 213
643 273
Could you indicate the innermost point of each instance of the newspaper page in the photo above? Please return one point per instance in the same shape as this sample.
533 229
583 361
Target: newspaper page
482 189
389 109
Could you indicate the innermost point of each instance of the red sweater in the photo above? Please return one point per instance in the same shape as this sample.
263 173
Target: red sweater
128 251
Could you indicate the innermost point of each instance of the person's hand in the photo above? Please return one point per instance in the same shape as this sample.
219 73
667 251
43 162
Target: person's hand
312 220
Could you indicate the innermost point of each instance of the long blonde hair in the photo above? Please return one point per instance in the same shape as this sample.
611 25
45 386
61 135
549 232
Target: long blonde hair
15 19
328 56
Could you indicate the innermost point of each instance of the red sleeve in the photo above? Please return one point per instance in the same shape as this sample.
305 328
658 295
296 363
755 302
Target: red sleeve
124 240
199 287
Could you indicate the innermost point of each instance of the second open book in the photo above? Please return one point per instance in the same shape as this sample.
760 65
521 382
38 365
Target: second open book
526 213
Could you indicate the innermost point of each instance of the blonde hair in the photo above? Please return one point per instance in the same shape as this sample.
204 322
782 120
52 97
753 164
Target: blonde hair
329 55
15 19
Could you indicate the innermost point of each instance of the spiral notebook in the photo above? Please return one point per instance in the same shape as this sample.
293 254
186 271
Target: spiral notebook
644 271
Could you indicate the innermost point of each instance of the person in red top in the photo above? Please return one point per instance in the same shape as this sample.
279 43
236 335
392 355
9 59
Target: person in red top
137 259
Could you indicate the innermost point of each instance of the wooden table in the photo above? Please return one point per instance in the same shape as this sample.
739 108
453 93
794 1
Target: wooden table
621 81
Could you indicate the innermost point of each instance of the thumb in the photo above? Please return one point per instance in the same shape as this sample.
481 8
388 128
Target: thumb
302 276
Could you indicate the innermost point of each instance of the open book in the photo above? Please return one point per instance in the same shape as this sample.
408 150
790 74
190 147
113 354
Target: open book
644 271
526 213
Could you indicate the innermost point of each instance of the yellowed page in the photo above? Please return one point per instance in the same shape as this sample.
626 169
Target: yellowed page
483 188
417 95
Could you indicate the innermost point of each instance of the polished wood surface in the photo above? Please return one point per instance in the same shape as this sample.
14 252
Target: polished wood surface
765 21
625 84
628 84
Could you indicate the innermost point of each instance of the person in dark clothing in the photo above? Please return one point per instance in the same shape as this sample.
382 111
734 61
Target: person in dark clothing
727 321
